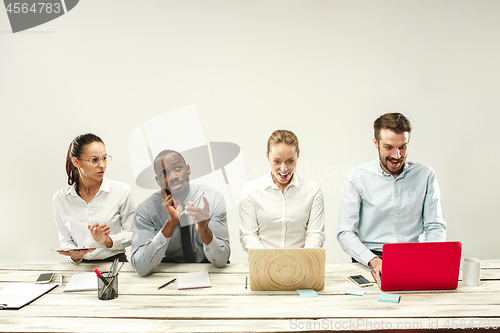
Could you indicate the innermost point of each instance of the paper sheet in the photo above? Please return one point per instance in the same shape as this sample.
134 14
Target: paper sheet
389 298
82 282
193 280
355 292
306 293
17 295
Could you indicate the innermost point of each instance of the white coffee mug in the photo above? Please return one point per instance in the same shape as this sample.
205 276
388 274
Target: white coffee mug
471 272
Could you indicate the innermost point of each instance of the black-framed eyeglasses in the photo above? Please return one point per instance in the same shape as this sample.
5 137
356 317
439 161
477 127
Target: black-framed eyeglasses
95 160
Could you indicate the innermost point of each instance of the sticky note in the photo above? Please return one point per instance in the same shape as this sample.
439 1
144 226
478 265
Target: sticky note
306 293
389 298
355 292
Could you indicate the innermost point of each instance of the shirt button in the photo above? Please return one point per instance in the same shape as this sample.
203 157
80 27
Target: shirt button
396 232
396 198
397 215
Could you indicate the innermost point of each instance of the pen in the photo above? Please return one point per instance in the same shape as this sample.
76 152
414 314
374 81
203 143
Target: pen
166 284
101 277
112 275
246 282
195 200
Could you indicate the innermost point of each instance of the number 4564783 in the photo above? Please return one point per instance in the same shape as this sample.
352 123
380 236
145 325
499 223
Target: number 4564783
39 7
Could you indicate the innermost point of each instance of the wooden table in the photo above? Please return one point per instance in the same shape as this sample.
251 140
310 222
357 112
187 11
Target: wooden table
229 307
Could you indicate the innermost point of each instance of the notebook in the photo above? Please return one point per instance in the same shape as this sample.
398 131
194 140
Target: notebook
193 280
17 295
82 282
420 266
287 269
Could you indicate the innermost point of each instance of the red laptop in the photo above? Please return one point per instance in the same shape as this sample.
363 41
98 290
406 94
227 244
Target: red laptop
420 266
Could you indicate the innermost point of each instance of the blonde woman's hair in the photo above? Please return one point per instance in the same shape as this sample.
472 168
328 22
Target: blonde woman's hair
284 136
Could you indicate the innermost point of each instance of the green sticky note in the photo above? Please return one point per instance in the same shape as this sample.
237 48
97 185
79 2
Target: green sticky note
306 293
355 292
389 298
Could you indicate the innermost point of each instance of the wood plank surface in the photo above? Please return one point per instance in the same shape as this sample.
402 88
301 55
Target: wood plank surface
341 269
229 307
92 325
235 286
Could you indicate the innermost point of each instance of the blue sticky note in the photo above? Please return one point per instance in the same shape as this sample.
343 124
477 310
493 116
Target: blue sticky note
355 292
389 298
306 293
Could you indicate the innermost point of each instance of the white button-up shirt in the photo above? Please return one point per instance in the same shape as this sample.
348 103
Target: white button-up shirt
293 218
113 205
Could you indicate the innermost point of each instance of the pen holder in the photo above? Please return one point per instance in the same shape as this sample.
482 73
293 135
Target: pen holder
107 291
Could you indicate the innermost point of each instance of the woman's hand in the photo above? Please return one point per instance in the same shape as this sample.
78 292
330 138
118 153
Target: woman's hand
77 255
100 233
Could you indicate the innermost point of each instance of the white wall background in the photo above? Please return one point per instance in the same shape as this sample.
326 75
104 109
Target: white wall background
323 69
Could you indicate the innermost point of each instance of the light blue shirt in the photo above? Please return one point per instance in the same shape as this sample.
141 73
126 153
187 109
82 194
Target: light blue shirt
377 208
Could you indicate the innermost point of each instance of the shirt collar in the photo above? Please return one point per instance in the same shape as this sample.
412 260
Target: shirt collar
193 194
72 190
270 183
104 187
387 175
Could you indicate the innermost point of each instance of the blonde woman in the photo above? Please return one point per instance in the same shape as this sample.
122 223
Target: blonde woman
281 209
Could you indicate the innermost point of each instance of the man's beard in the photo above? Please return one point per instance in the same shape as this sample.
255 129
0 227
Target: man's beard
386 165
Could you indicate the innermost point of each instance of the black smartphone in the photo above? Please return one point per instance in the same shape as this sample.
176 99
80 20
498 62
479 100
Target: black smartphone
360 280
45 278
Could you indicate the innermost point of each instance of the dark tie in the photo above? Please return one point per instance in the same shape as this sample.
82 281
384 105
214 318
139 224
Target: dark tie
186 238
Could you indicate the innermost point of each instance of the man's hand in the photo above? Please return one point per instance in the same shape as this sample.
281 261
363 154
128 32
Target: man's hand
100 233
201 216
376 264
173 214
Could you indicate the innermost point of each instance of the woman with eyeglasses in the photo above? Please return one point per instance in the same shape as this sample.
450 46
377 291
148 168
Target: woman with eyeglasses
93 212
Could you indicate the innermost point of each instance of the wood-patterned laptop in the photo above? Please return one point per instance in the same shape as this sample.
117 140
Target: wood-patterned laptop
287 269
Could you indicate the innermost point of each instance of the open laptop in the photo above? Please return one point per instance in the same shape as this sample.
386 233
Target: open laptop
420 266
287 269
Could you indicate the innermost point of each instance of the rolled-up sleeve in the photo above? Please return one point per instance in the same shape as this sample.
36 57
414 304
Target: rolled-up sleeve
348 227
65 237
123 239
218 250
315 234
433 214
148 244
249 226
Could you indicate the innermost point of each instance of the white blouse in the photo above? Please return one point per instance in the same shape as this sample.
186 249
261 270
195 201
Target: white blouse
270 218
113 205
